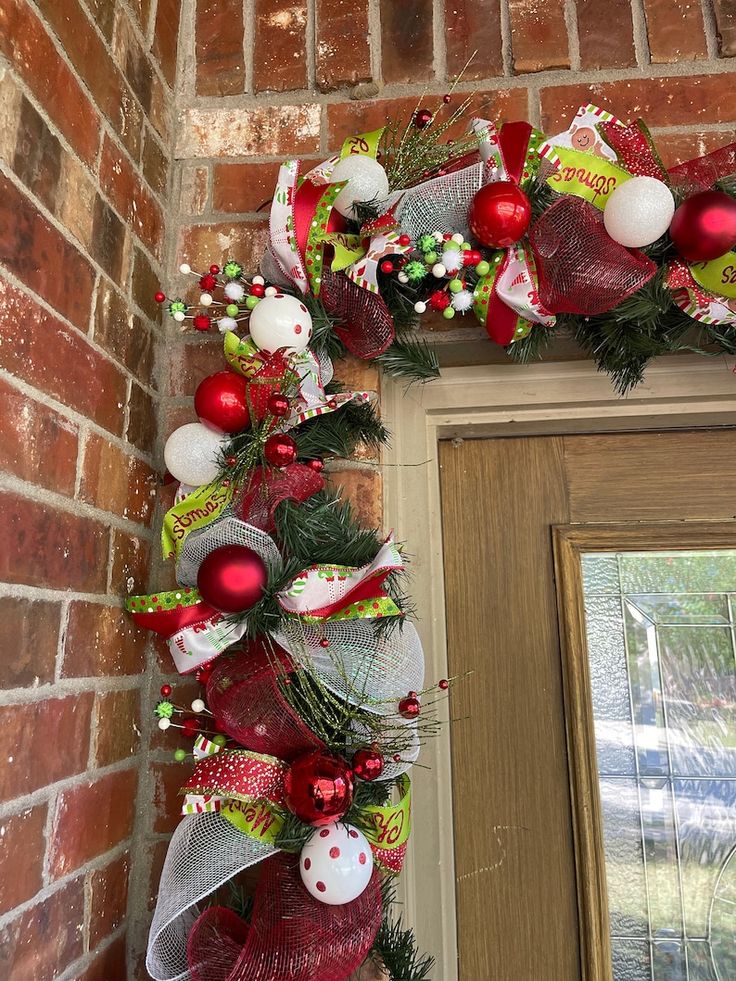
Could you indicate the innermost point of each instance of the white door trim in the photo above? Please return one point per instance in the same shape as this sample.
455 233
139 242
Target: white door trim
496 400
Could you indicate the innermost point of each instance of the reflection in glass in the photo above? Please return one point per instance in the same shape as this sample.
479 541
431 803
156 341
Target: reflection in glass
663 677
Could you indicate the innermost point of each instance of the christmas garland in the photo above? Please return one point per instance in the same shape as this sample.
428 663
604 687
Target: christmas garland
293 618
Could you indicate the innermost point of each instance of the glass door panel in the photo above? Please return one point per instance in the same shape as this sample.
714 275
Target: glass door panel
660 638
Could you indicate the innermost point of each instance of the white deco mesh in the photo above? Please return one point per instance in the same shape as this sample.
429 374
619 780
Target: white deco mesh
440 205
357 665
205 851
226 531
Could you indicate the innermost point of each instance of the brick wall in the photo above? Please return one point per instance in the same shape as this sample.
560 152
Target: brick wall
86 94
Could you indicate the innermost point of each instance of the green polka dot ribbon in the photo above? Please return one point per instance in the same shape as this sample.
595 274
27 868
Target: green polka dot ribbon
158 602
315 248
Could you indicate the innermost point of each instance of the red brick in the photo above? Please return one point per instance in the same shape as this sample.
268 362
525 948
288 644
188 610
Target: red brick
38 155
363 488
46 547
108 897
24 41
91 819
406 40
117 734
91 59
155 164
154 862
676 100
116 481
168 778
473 27
173 417
194 362
40 943
130 563
238 188
128 196
146 283
193 192
343 52
166 36
725 13
160 114
103 15
36 443
32 249
75 200
110 243
29 629
132 60
676 148
675 30
38 348
142 419
280 63
241 132
44 742
245 241
101 640
125 336
605 41
110 965
538 35
22 848
219 44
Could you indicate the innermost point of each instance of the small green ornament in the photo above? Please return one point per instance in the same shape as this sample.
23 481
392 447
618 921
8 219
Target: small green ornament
177 306
232 309
451 246
180 755
232 269
483 268
415 271
219 739
448 313
426 243
455 285
465 247
430 258
164 709
252 302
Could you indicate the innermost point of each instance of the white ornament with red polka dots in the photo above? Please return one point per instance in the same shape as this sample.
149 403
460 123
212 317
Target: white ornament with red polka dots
280 321
336 864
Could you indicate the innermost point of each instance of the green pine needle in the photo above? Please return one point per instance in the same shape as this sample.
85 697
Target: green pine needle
339 433
411 358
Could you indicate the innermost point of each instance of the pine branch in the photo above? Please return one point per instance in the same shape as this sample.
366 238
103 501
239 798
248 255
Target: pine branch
410 357
324 339
339 433
324 529
397 949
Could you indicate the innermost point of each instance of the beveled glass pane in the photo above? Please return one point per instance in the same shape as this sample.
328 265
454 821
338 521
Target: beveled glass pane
686 608
678 572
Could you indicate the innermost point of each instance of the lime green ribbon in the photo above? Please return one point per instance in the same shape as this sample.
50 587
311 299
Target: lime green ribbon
195 511
586 176
257 819
717 276
363 145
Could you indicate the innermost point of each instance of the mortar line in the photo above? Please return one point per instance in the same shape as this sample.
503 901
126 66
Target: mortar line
573 34
61 641
375 40
710 27
439 46
507 50
641 35
310 44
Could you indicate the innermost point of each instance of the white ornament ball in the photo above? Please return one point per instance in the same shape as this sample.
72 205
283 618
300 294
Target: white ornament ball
234 291
164 724
191 454
224 324
639 211
438 236
185 268
420 307
336 864
197 706
280 321
271 291
258 281
367 181
439 270
402 277
206 299
457 237
179 316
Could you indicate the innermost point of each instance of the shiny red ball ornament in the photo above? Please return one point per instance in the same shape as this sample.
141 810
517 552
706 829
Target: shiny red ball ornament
232 578
324 642
387 266
207 283
202 322
317 465
439 300
221 401
214 269
278 405
367 764
499 214
404 239
258 289
422 118
319 788
471 257
444 684
231 461
279 450
704 226
159 297
165 691
410 707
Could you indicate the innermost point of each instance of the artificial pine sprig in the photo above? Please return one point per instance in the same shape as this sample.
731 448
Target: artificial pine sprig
395 947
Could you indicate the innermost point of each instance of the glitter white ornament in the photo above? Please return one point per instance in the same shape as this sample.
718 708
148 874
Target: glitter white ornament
185 268
462 301
197 706
336 864
452 260
206 299
280 321
226 323
234 291
179 316
191 453
420 307
639 211
366 181
439 270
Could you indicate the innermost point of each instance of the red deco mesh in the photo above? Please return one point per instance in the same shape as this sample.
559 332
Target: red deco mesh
291 936
703 172
244 697
367 326
581 269
271 377
267 488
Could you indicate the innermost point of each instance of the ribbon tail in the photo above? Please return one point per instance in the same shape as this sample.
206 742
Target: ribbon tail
282 227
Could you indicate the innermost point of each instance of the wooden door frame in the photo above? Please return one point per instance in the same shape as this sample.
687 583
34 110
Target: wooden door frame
492 401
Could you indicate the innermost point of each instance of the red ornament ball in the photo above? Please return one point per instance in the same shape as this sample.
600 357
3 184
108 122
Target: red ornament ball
324 642
439 300
444 684
704 226
165 690
387 266
232 578
202 322
279 450
422 118
159 297
318 788
410 707
258 289
367 764
499 214
404 239
214 269
190 727
207 283
278 405
317 465
221 401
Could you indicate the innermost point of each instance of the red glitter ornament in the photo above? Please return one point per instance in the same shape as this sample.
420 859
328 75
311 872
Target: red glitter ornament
367 764
202 322
422 118
165 690
471 257
190 727
410 707
319 788
221 401
159 297
704 226
232 578
231 460
439 300
280 450
499 214
317 465
278 405
207 283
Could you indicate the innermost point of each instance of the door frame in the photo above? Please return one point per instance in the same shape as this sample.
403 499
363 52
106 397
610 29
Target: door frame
492 401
